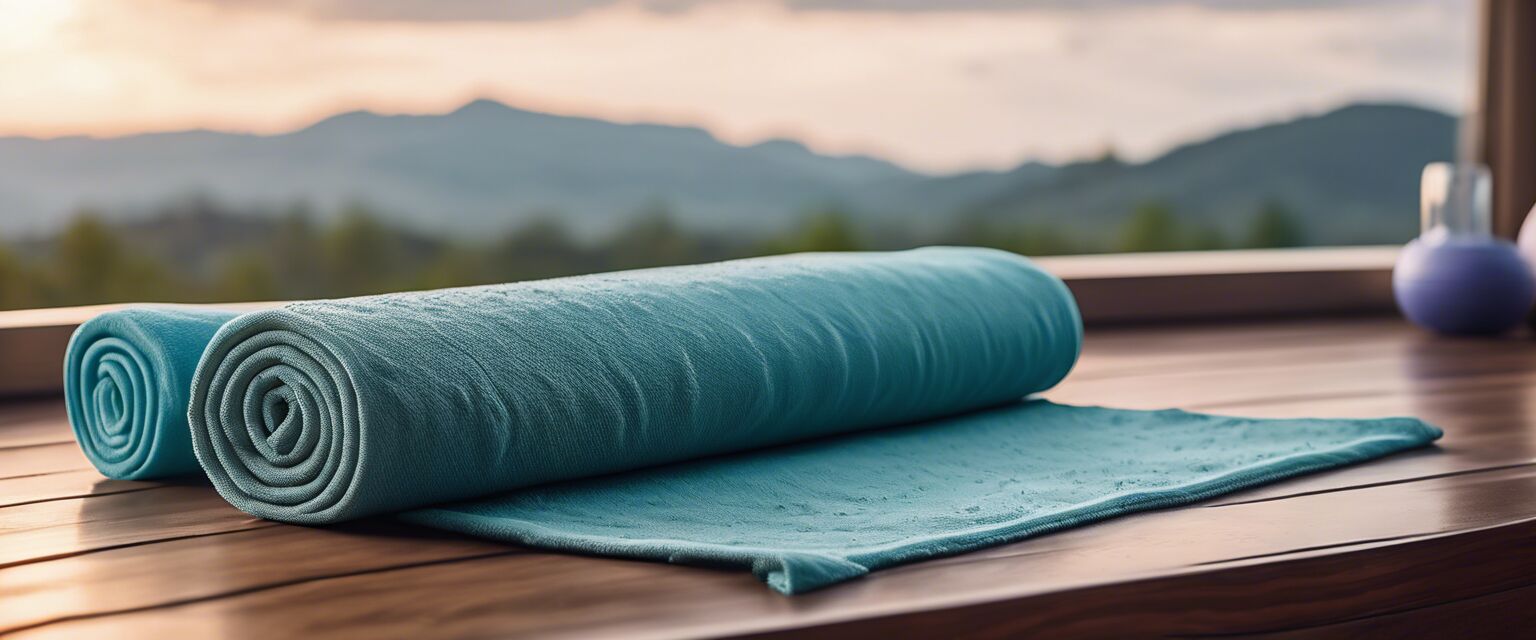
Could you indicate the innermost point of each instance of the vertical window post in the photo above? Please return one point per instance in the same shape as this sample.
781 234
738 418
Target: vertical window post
1504 124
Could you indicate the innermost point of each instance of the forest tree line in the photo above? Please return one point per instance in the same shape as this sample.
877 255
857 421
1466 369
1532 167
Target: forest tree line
204 252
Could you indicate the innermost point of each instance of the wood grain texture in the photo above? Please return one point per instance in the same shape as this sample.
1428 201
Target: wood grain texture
1439 541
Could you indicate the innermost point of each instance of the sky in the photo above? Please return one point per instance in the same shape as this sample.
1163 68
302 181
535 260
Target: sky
936 86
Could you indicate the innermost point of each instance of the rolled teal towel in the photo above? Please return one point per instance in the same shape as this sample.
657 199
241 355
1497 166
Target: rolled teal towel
127 374
324 411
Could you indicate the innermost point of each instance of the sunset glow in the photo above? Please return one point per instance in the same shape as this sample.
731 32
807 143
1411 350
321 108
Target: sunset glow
936 90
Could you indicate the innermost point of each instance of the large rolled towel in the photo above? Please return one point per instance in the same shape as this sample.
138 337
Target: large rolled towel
899 378
126 378
324 411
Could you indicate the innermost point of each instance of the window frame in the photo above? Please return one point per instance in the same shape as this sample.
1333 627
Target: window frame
1501 132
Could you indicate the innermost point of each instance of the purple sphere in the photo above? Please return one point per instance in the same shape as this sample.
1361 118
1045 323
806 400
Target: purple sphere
1463 286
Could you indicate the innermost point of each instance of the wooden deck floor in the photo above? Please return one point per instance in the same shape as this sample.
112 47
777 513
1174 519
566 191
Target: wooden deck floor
1441 538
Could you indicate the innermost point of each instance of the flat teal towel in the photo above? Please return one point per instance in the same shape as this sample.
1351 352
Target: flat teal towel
639 414
806 516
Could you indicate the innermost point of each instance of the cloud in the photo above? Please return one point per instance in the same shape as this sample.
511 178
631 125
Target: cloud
1084 5
535 10
419 11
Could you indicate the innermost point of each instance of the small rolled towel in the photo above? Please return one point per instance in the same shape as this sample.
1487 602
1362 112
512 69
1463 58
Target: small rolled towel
126 378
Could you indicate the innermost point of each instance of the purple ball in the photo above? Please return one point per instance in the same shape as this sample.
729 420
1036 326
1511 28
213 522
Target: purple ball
1463 286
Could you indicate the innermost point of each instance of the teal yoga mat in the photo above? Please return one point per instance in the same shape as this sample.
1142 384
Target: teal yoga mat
812 417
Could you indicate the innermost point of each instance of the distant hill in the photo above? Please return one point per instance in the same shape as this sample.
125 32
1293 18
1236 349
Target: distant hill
485 166
1347 176
925 202
1350 176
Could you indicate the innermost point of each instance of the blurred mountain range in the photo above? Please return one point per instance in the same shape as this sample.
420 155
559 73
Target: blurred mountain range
1349 176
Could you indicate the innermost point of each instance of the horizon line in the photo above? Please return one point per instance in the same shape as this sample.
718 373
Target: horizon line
1105 150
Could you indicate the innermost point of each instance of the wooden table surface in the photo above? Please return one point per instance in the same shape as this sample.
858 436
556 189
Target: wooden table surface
1440 540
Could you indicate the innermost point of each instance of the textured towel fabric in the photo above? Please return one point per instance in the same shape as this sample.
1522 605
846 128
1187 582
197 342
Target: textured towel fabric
126 376
324 411
805 516
523 396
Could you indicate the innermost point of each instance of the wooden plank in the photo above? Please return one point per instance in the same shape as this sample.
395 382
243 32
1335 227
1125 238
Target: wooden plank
1478 616
1397 584
1142 287
34 422
537 594
41 531
63 486
1146 533
1208 389
24 462
135 577
1412 352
